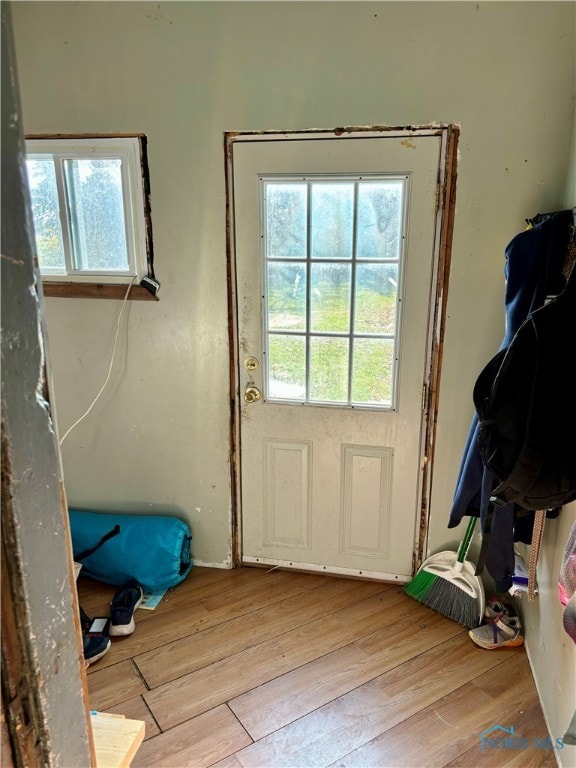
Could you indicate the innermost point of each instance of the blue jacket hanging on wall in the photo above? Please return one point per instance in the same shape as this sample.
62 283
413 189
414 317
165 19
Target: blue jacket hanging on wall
534 261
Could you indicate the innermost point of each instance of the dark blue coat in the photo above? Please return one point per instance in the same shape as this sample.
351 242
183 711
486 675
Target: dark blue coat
533 270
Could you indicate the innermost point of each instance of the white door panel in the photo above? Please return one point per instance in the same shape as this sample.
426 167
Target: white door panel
334 487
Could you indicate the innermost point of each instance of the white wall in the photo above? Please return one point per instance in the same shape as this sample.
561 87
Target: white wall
551 651
185 72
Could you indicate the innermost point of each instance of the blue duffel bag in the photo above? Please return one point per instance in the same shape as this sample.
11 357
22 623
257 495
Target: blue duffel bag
114 548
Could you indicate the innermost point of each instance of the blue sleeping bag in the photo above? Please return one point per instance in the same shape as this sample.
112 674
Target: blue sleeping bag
113 548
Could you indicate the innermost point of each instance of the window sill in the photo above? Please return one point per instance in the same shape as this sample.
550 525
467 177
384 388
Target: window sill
95 291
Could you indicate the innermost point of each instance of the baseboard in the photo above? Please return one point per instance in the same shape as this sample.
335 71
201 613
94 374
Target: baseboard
201 564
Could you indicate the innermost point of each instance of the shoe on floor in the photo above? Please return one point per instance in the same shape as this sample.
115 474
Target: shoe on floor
95 644
122 608
495 607
95 647
502 632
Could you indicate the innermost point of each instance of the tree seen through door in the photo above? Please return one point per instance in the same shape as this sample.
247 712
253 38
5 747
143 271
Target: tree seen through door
333 250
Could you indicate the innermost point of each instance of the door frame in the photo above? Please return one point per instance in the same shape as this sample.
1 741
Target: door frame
44 713
449 134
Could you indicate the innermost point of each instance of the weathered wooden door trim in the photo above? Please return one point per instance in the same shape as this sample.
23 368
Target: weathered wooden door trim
445 212
45 720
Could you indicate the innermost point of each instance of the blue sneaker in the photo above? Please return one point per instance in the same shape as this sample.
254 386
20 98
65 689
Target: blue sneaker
95 644
122 608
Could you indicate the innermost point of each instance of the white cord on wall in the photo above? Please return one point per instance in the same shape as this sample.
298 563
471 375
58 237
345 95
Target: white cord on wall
103 387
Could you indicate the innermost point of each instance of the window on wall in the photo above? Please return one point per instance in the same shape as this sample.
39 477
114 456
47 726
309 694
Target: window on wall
90 206
334 250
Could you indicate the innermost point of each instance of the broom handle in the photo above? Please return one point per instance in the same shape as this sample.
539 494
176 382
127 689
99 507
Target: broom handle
465 545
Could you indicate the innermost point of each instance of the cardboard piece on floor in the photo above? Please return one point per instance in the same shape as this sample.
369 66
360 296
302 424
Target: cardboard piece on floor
116 739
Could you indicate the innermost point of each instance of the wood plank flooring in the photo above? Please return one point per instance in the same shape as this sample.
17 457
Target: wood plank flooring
262 669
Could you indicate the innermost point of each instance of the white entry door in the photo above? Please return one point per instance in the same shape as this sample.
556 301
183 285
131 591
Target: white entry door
334 242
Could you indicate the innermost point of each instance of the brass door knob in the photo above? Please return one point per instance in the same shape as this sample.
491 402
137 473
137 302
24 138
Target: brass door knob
251 394
251 363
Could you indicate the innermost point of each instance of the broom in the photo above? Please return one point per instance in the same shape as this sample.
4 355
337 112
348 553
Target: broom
425 579
447 583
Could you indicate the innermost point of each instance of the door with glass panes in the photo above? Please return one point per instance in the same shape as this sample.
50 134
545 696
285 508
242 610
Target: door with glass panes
334 243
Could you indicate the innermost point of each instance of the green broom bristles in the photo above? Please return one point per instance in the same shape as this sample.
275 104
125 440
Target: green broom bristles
420 585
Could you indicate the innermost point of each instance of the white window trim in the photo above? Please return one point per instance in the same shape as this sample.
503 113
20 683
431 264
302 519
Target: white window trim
128 150
351 335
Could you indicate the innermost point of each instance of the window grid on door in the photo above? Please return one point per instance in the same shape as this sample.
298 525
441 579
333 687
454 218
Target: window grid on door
333 259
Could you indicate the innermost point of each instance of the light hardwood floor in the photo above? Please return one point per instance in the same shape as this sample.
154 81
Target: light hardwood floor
260 669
